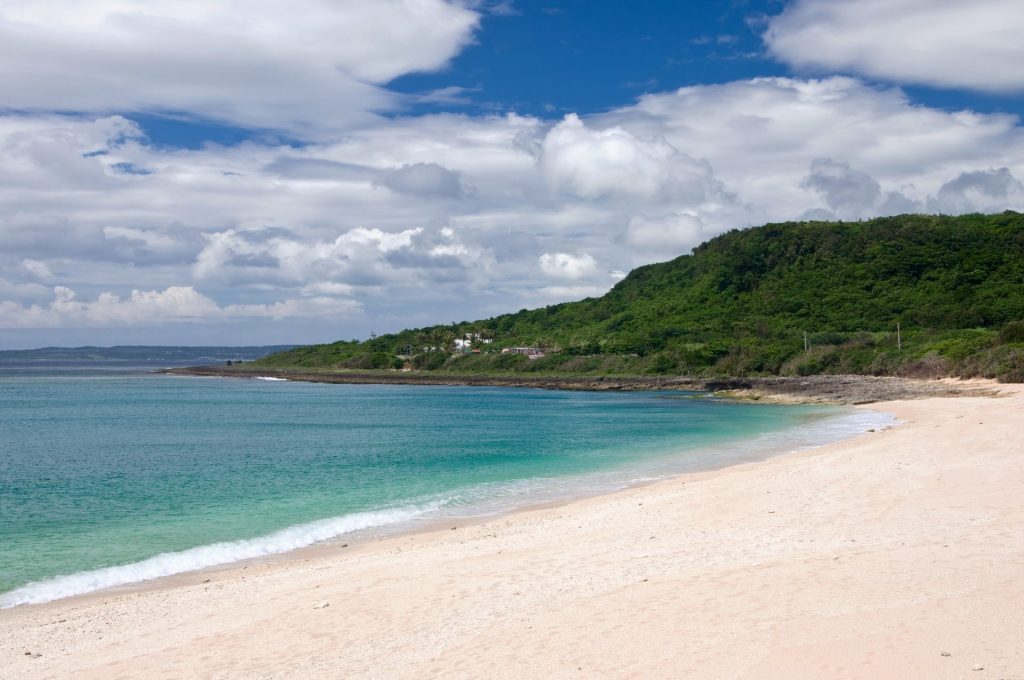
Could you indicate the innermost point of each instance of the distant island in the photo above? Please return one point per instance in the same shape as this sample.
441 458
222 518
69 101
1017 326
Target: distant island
137 355
912 295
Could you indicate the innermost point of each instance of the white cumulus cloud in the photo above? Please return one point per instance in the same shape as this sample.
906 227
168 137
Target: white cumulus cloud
613 162
973 44
304 67
567 265
274 254
762 135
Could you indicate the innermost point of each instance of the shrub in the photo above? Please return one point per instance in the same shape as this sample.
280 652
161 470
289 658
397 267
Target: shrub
661 363
964 344
1012 332
509 361
429 361
587 364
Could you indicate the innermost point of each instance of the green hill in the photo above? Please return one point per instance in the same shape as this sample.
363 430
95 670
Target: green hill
747 301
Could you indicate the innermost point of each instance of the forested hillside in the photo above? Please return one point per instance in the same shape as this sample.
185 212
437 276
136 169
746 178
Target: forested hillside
792 298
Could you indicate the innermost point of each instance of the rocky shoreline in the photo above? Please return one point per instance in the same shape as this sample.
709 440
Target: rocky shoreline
823 389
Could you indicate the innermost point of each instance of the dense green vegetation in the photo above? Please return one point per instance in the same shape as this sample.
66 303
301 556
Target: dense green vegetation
745 303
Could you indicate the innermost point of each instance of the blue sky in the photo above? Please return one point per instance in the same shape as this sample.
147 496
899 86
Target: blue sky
550 58
191 172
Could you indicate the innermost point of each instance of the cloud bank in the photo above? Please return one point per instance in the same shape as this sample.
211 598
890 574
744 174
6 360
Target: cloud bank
377 223
174 305
447 217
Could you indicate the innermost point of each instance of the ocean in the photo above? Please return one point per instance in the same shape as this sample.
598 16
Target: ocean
111 475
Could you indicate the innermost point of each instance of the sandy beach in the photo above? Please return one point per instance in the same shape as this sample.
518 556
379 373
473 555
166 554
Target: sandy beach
898 554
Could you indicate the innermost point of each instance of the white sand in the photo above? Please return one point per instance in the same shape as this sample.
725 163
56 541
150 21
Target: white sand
866 559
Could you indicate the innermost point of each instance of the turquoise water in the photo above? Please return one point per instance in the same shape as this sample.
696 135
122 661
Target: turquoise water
110 477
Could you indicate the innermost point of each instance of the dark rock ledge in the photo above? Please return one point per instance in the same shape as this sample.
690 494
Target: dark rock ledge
824 389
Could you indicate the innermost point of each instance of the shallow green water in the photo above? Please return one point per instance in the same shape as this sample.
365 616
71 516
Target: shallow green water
99 469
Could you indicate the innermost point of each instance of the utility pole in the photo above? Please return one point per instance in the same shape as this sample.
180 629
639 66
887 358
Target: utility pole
899 338
807 345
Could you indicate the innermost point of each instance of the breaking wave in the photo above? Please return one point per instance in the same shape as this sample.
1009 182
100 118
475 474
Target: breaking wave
214 554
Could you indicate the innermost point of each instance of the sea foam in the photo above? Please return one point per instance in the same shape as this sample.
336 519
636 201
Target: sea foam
201 557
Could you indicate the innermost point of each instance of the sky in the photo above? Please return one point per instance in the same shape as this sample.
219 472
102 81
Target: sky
252 172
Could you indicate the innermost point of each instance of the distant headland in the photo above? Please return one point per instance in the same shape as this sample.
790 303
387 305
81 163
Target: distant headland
914 295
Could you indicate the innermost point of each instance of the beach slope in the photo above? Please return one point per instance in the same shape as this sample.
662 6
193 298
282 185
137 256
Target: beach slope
899 554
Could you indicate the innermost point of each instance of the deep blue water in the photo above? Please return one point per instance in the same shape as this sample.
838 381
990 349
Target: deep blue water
114 476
